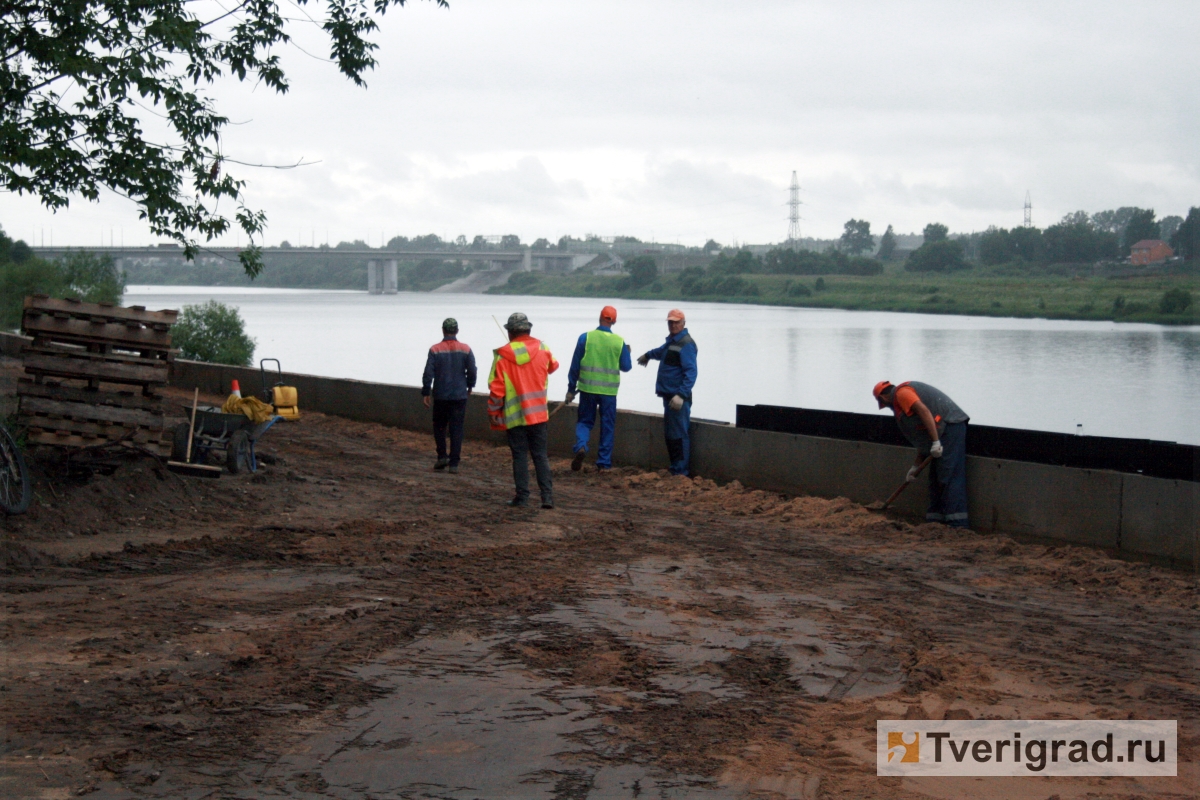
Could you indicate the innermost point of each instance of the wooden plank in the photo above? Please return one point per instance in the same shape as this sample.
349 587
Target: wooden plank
110 433
74 394
75 308
83 368
163 449
77 351
88 412
96 331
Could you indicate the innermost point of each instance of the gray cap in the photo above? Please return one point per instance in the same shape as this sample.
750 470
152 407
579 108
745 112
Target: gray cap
518 322
450 324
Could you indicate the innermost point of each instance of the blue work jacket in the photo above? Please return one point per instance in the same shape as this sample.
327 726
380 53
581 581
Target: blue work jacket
677 367
449 370
577 359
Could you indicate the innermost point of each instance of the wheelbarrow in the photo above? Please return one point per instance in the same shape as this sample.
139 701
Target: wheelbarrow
216 431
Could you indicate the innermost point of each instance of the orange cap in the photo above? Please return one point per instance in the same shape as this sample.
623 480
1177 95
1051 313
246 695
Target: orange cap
878 391
609 313
675 315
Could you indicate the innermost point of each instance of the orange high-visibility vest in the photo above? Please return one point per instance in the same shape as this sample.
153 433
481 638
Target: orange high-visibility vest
518 383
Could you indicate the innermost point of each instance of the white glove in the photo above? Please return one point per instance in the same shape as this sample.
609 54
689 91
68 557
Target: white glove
570 398
936 449
643 360
912 474
676 403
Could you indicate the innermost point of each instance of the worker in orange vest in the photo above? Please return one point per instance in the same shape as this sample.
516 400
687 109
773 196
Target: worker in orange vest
517 404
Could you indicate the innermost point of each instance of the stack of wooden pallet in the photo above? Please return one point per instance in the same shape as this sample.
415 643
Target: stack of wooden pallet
85 361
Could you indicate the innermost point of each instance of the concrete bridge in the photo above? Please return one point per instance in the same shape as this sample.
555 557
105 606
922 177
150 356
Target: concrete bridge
382 264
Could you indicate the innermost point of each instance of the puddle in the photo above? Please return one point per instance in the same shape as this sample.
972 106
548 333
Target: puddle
463 722
464 718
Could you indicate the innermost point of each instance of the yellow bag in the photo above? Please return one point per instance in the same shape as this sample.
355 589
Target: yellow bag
256 410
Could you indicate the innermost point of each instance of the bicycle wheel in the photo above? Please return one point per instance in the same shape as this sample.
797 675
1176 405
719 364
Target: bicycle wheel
15 488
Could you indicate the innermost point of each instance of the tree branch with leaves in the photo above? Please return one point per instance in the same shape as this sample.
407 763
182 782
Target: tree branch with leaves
77 75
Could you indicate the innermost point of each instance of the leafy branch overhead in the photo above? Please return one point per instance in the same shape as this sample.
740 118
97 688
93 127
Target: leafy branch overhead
80 79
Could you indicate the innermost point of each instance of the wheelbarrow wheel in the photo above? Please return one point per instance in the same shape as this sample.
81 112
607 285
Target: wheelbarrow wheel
16 490
237 454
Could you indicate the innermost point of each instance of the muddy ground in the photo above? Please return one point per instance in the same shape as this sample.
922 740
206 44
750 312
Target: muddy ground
347 623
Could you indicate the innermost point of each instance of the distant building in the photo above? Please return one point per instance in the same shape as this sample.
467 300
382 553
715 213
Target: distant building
1150 251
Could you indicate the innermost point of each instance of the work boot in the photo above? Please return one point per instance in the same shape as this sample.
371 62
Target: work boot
441 463
577 461
517 502
547 502
453 469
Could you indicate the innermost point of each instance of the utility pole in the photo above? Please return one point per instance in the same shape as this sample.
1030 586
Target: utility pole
794 211
1028 211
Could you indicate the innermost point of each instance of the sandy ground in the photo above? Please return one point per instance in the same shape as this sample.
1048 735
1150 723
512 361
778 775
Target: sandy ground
347 623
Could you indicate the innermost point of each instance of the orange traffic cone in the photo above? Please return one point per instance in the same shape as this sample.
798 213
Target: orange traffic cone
236 390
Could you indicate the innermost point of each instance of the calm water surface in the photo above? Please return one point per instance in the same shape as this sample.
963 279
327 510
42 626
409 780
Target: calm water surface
1131 380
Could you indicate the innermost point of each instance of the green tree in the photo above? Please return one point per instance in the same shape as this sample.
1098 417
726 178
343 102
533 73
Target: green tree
935 232
541 244
642 271
75 72
510 241
856 237
1167 227
1186 240
1142 225
213 332
942 255
712 246
92 278
887 245
1076 240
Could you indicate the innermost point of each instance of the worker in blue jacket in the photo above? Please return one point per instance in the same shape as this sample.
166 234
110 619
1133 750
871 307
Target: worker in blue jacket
676 377
449 377
600 358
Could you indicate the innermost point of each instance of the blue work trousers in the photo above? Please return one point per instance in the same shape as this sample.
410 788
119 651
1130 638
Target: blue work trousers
948 479
675 430
586 420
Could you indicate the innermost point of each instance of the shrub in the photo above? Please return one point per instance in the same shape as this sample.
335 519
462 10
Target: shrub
520 281
1175 301
819 286
798 290
213 332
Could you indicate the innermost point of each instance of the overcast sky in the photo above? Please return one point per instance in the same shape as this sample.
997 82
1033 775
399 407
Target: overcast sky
683 121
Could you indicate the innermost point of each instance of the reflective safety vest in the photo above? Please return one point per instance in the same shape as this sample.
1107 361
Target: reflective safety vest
600 367
517 386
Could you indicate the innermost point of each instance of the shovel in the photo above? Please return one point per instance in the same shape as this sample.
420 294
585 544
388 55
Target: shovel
186 467
877 506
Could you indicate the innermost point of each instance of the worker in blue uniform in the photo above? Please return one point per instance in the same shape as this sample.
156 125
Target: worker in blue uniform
676 377
600 358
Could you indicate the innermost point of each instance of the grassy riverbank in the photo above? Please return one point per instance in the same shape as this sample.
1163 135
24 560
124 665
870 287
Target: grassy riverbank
969 292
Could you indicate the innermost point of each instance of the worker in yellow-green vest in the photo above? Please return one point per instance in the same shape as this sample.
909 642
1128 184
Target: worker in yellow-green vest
600 358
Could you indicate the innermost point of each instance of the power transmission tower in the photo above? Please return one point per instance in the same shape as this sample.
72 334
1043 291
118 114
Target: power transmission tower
1028 211
794 212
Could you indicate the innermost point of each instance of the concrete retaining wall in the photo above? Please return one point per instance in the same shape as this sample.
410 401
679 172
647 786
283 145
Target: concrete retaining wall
1118 511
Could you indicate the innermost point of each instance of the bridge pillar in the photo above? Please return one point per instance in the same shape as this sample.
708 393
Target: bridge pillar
526 260
374 284
389 277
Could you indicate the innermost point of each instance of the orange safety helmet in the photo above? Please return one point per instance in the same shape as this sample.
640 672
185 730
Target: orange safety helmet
878 391
608 313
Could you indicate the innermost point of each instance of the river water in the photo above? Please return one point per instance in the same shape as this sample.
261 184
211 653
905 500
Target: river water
1128 380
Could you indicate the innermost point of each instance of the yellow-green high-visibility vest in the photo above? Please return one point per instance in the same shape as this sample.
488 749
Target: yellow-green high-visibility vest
600 368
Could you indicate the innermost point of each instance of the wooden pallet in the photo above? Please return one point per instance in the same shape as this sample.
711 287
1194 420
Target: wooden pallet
52 390
41 304
79 346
